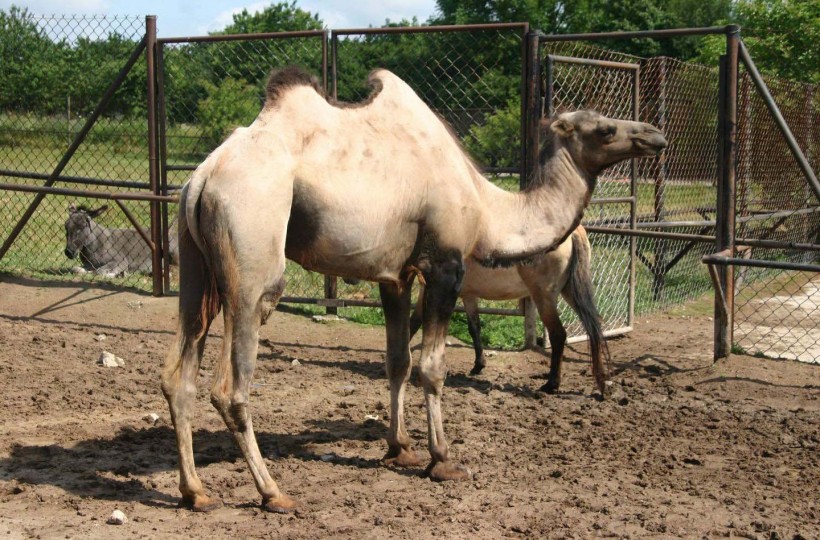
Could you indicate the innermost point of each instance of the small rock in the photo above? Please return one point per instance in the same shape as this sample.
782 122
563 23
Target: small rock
372 417
296 362
490 354
108 359
327 457
326 318
100 337
349 389
117 518
135 304
152 418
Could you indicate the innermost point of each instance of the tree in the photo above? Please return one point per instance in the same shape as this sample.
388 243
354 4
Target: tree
279 17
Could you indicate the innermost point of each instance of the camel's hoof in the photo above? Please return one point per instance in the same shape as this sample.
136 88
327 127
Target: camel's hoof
549 387
403 457
447 470
476 370
280 505
200 503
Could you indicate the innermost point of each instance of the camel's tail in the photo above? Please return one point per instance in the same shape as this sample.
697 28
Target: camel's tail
582 294
198 289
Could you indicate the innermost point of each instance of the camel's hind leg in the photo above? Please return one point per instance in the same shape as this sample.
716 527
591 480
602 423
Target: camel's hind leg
231 388
396 303
182 367
547 304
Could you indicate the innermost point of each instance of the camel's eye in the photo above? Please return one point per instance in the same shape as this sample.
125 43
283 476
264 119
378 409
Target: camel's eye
606 131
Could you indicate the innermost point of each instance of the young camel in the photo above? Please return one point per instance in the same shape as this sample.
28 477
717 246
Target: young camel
380 191
564 271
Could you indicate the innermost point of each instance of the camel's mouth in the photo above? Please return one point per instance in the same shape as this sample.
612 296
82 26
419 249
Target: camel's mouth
70 253
651 143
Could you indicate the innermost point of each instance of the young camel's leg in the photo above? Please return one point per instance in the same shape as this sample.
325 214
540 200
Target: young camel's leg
182 367
416 316
396 304
474 327
443 278
547 304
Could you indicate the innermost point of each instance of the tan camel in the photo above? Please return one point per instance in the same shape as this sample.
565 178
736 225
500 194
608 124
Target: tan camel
381 191
565 271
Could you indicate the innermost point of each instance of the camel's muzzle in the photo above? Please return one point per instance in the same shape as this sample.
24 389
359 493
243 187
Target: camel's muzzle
651 141
70 253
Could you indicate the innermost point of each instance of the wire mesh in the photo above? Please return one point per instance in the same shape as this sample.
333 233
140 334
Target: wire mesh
474 80
62 67
776 311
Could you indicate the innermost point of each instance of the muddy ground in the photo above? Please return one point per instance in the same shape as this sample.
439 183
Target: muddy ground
687 448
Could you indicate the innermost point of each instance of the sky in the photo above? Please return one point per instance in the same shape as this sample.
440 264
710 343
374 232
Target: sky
198 17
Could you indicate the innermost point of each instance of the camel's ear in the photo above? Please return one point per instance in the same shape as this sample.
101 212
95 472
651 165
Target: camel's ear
563 127
98 211
72 208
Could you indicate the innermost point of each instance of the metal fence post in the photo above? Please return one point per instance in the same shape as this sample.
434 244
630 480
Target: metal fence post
725 218
153 163
531 144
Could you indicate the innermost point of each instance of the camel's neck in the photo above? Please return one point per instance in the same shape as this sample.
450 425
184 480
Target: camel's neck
522 225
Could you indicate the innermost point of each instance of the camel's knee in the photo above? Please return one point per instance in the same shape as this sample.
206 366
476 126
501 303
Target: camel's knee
234 410
432 374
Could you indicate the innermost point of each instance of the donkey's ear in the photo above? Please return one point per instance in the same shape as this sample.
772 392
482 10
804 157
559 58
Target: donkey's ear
98 211
563 127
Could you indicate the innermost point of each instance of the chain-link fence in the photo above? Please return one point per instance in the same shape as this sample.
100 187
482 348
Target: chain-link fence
777 312
60 68
674 193
474 77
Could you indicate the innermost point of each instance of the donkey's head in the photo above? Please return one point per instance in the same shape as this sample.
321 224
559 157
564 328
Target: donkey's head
595 142
79 230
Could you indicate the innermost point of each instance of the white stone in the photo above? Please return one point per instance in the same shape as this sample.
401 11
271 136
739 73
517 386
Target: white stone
100 337
372 417
117 518
152 418
327 457
296 362
108 359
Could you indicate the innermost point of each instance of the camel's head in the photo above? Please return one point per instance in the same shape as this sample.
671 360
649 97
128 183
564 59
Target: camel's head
596 142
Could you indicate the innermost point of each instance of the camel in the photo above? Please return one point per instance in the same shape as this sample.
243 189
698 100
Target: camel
564 271
379 190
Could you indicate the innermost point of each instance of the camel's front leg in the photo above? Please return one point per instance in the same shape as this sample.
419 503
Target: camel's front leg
396 303
443 278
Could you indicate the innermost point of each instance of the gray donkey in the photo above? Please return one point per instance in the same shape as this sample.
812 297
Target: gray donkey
103 250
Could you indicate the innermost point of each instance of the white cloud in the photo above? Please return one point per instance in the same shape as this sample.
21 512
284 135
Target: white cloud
226 17
61 7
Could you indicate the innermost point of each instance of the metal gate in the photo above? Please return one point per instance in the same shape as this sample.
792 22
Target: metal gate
615 93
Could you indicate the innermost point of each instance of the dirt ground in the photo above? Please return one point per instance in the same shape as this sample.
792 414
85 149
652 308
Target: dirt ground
686 448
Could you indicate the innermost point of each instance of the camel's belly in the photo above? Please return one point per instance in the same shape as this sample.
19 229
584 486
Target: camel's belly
357 252
492 283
